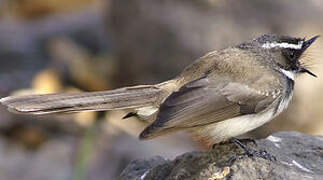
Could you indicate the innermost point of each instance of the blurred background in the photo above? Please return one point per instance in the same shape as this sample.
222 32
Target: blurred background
51 46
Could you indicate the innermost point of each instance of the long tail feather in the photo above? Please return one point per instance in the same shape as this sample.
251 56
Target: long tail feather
129 97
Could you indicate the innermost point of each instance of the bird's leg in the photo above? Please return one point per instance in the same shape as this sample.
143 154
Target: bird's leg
249 152
246 140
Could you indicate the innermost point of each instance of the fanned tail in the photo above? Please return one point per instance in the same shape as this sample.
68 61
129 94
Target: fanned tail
123 98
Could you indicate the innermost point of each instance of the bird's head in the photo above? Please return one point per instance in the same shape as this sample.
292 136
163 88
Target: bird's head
284 51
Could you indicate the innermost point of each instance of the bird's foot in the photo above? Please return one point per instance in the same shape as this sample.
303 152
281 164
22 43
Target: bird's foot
246 140
231 141
253 153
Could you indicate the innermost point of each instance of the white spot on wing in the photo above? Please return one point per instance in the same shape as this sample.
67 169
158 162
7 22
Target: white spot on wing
270 45
147 111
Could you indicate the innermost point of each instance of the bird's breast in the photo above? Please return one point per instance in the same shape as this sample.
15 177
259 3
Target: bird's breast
283 104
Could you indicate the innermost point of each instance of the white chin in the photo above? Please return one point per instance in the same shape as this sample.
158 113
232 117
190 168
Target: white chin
289 74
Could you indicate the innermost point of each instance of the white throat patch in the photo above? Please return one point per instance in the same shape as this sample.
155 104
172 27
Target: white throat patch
269 45
289 74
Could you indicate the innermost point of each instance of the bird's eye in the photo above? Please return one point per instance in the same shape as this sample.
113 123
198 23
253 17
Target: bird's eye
292 55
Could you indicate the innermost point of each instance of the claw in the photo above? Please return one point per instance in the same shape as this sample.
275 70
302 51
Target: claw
231 141
251 153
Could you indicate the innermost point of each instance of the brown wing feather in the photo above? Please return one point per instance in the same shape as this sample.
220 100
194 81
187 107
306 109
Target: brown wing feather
200 102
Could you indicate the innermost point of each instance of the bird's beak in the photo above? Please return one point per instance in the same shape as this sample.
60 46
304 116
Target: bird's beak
308 43
304 70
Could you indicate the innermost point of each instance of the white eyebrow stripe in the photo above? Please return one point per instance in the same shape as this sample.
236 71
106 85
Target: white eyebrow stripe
269 45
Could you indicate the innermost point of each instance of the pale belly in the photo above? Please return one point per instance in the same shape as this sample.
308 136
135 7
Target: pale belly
222 131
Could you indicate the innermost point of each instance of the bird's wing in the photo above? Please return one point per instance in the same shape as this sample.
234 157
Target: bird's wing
202 102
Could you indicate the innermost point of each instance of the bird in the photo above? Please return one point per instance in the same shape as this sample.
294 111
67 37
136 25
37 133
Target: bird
221 95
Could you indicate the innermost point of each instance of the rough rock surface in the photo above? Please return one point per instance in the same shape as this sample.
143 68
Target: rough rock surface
299 156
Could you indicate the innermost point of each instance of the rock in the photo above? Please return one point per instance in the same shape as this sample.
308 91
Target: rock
139 168
299 156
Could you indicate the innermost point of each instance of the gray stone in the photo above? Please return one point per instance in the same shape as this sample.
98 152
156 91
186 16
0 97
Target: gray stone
299 156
